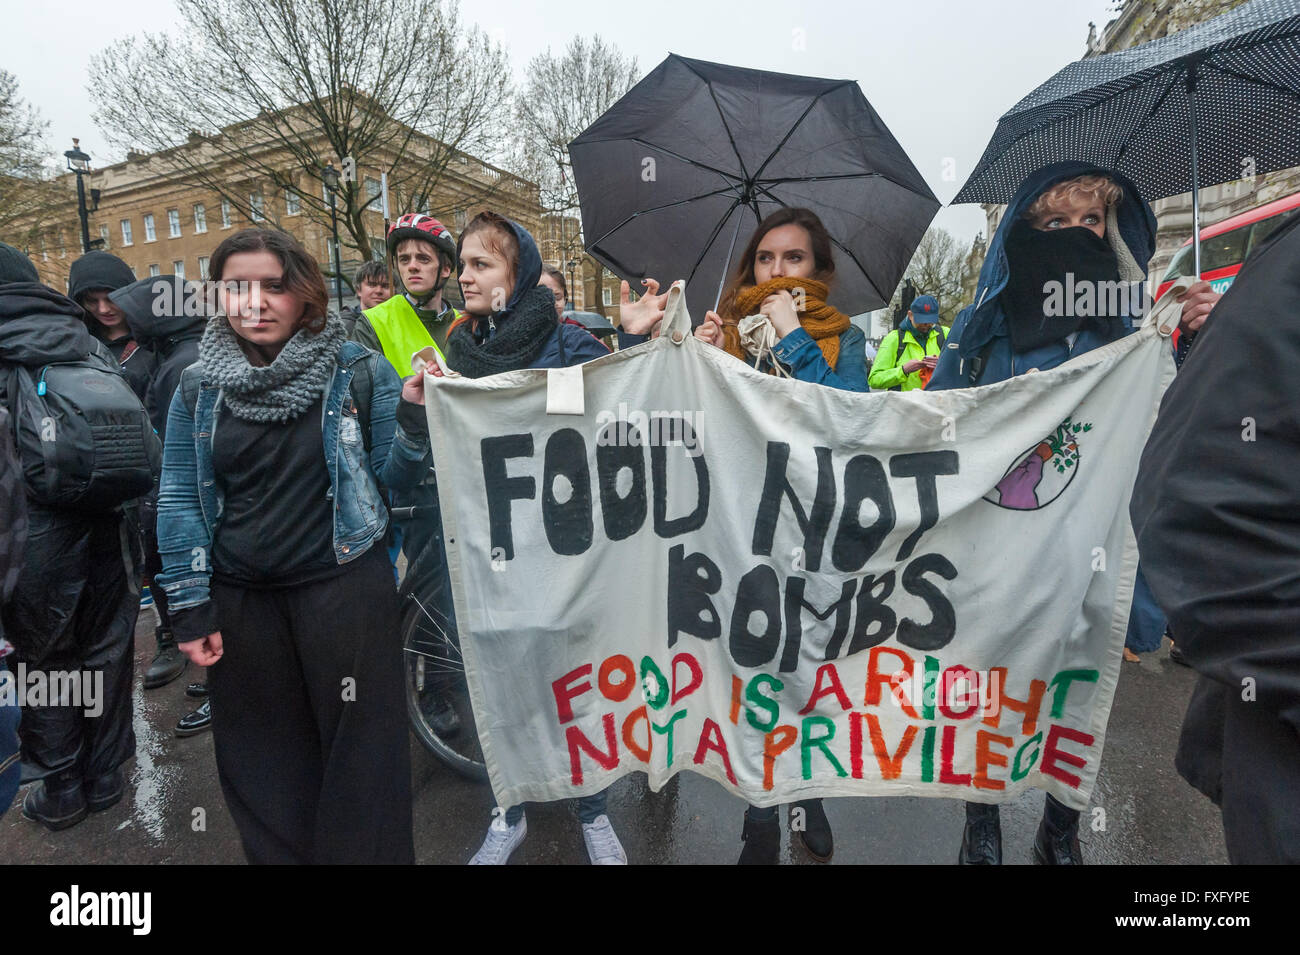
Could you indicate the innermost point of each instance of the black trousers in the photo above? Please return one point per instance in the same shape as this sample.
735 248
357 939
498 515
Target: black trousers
309 718
73 613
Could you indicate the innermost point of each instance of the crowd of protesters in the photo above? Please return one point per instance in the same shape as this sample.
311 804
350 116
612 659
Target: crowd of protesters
286 432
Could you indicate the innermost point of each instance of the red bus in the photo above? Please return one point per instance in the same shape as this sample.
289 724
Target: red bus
1225 245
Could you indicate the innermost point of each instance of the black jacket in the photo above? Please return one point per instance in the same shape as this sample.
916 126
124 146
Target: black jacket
1216 509
171 336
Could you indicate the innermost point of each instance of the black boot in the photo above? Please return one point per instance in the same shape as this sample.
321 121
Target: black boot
168 663
1057 842
439 714
816 832
103 792
56 802
981 841
196 722
762 838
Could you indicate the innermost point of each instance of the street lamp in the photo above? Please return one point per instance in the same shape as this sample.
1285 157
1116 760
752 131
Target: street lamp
79 163
573 265
330 176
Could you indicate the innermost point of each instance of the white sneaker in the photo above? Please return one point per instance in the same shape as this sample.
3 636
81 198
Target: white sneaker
501 841
603 847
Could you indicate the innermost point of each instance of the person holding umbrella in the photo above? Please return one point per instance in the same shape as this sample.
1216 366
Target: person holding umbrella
1070 225
784 275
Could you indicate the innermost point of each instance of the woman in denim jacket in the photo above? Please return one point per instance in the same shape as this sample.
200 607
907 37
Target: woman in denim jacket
268 515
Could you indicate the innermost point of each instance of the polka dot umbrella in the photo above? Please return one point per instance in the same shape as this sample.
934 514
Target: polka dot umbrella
1216 102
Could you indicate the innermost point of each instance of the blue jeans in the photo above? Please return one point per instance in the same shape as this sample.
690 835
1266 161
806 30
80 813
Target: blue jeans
589 807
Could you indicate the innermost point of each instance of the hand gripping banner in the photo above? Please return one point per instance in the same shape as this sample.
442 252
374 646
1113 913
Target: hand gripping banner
793 590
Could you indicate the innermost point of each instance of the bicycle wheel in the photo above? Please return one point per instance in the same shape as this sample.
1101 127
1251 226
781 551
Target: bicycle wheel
435 685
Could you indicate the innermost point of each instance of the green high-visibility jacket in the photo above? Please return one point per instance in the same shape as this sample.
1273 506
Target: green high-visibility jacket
887 369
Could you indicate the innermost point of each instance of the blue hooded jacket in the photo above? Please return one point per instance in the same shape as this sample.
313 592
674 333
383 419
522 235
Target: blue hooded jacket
978 351
569 344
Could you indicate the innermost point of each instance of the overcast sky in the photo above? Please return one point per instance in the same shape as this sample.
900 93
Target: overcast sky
939 72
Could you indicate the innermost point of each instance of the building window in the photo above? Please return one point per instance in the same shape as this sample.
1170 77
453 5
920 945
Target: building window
200 218
607 296
173 223
154 270
373 190
126 231
203 267
378 250
178 268
462 217
225 213
291 206
149 234
103 237
329 254
63 245
255 206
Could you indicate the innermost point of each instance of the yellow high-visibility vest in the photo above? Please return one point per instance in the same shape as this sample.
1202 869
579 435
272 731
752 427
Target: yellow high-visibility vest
401 332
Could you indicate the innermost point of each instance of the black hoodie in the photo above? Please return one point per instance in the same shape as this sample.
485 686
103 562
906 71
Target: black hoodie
155 311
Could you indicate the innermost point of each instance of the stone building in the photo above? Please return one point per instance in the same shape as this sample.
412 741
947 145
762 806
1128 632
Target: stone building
162 217
1141 21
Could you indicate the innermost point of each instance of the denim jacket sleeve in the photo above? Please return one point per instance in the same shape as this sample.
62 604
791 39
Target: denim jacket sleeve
799 351
399 458
184 537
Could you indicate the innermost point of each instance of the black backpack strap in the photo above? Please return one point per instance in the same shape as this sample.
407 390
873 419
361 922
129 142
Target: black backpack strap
363 383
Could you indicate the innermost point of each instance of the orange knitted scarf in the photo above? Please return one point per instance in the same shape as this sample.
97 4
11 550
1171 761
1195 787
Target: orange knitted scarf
821 321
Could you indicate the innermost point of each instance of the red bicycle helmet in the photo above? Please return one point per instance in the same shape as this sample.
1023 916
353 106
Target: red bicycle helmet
413 225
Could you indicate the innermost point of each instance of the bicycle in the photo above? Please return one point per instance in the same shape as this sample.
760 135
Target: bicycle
433 664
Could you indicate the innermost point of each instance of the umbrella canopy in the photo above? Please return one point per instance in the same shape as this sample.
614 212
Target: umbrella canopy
674 177
1216 102
594 322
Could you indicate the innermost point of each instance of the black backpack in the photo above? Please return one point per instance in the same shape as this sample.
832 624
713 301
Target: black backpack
83 438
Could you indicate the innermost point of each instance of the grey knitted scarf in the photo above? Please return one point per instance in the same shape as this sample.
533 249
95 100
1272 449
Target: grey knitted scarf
280 391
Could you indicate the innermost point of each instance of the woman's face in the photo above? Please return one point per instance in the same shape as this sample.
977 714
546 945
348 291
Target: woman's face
549 282
258 306
1067 213
785 252
485 278
110 318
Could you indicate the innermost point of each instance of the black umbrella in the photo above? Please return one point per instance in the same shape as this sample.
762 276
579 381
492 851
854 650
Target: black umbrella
594 322
1216 102
678 172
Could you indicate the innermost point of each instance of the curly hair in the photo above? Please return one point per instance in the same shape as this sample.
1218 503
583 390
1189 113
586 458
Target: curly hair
1103 188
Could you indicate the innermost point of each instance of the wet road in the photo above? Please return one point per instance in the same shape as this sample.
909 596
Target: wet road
173 811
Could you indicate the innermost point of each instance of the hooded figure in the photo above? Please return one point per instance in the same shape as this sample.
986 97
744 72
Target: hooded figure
1006 333
524 334
75 603
103 272
157 312
1214 516
979 350
161 313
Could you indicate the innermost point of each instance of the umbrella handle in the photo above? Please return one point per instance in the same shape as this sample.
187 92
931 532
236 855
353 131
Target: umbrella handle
677 320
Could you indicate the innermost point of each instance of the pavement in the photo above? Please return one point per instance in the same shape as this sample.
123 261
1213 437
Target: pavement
174 812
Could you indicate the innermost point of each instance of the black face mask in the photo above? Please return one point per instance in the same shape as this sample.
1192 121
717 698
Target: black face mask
1074 259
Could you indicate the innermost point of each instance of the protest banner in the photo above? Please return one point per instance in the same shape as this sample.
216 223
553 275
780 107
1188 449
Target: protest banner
794 590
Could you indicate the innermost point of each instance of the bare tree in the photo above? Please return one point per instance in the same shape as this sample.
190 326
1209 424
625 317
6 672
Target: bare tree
25 186
937 269
269 91
562 96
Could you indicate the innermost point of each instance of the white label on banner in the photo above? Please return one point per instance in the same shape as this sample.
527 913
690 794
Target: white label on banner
564 391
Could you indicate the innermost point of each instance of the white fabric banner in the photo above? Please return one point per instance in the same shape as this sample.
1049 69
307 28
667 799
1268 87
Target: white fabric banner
793 590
